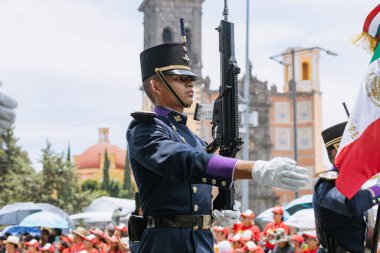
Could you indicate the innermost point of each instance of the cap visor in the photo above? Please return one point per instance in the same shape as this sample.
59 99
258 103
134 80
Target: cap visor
181 72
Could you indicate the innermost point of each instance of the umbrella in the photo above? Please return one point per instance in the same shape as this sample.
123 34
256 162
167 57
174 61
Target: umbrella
93 217
53 209
300 203
17 230
44 219
13 214
267 215
303 219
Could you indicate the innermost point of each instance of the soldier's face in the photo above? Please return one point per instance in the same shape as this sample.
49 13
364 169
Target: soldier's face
183 86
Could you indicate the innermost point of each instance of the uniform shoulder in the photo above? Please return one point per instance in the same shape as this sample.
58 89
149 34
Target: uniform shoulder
144 116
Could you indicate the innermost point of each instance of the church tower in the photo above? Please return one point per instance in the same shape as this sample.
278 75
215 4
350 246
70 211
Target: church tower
161 24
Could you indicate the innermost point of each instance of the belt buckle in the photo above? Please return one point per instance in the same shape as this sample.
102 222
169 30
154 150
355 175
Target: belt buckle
206 223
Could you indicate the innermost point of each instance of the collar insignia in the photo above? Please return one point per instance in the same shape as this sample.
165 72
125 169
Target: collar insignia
177 118
329 176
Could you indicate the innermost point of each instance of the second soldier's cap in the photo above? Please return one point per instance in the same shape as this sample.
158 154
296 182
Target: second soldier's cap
169 58
333 135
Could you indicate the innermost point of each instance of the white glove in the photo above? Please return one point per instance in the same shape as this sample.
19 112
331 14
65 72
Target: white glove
280 172
7 115
227 218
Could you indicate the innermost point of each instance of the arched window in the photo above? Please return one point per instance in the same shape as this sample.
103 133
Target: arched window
167 35
188 38
305 71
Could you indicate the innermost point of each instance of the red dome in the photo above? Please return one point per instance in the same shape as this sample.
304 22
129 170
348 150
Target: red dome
90 158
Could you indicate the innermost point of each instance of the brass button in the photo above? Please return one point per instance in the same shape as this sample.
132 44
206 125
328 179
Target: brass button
174 128
183 140
213 181
378 199
195 189
374 201
196 208
195 228
224 183
204 180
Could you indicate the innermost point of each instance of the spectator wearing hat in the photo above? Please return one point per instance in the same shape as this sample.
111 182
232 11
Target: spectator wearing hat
63 245
32 246
248 222
251 247
281 242
2 243
79 234
221 237
278 222
47 248
311 241
121 233
90 242
101 242
113 243
12 244
237 243
297 242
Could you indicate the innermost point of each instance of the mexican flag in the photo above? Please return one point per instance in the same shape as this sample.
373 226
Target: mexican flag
358 158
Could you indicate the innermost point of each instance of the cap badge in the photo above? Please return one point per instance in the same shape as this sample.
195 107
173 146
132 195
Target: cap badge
186 58
177 118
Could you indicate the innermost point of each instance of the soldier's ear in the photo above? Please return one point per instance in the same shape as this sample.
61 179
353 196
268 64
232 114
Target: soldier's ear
155 87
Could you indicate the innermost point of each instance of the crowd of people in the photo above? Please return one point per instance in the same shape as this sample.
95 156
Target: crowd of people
245 237
242 237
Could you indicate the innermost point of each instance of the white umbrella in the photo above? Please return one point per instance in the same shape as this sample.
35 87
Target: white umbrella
300 203
303 219
267 215
13 214
44 219
109 204
93 217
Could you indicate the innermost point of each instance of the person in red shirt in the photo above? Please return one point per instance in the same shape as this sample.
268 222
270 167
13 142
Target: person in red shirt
100 244
278 217
11 244
311 241
251 247
47 248
63 245
113 244
89 244
297 241
79 234
32 246
247 219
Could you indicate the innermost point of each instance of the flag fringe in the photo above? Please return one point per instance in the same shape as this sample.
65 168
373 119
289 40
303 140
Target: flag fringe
365 41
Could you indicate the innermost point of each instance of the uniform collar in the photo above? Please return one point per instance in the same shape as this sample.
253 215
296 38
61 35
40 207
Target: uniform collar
171 115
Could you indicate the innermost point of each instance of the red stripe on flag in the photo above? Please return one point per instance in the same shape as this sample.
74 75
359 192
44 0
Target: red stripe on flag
370 17
359 161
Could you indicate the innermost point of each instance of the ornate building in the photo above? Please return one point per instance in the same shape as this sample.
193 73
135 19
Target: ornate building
89 164
161 24
309 115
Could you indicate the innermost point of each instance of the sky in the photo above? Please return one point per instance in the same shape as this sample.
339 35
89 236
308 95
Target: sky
73 65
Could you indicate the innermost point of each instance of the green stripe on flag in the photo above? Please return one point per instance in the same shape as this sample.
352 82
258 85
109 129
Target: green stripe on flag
376 55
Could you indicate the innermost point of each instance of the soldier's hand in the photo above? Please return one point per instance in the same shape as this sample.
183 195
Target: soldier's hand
227 218
280 172
7 114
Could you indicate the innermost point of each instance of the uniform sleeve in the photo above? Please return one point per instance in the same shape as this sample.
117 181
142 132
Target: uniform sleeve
150 145
330 198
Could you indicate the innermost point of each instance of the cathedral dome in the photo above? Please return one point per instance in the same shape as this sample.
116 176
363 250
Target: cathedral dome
93 157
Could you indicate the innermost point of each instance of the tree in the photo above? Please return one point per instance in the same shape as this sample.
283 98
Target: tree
15 169
90 185
106 176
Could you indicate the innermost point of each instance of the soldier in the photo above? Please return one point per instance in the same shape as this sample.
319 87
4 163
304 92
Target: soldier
340 222
173 172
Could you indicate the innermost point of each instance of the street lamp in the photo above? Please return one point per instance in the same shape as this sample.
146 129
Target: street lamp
292 87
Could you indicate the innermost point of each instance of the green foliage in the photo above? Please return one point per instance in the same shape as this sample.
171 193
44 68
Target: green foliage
106 176
90 185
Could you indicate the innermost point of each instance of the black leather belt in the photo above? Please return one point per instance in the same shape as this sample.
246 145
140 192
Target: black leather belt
179 221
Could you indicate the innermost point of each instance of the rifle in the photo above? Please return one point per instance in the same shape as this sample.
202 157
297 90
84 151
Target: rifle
225 115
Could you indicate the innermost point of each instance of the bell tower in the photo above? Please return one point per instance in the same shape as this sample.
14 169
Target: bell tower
161 25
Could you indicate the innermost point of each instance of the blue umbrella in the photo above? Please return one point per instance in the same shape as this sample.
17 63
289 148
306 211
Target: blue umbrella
44 219
17 230
300 203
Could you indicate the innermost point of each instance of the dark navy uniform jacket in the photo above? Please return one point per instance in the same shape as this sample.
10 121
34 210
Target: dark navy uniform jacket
339 218
174 175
